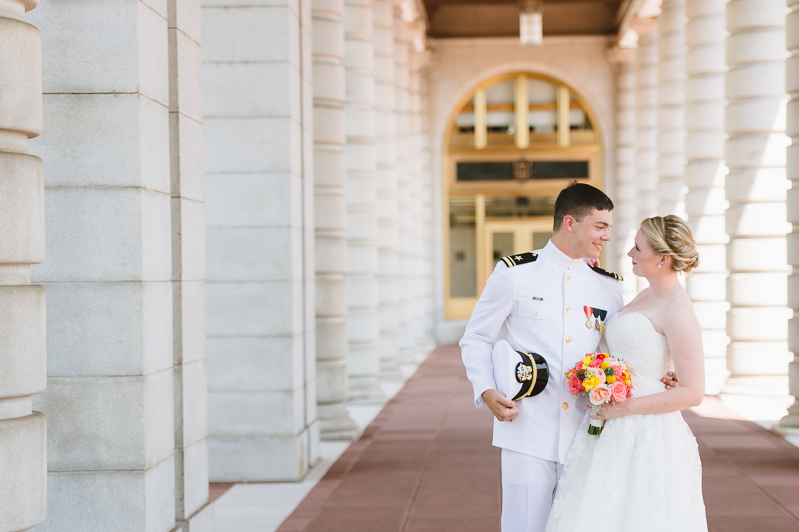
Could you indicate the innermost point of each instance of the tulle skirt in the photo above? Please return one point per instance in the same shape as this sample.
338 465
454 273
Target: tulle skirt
641 474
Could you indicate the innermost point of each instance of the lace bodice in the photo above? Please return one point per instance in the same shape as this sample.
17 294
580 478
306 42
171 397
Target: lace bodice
632 338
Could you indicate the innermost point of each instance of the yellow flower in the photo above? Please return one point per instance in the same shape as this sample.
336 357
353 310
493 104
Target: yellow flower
611 379
605 365
587 360
590 382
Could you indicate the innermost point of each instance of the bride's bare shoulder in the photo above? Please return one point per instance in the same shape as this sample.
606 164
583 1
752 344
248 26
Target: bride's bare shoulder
679 309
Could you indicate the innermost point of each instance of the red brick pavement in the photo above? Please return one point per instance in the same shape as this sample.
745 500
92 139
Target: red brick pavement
426 464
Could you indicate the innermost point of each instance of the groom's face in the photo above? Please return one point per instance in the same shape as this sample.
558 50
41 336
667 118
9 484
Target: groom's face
592 232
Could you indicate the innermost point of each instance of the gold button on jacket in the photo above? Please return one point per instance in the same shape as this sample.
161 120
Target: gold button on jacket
568 339
565 406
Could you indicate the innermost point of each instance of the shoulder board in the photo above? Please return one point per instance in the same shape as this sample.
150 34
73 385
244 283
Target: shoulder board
521 258
605 272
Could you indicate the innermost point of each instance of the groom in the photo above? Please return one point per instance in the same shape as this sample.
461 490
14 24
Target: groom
547 302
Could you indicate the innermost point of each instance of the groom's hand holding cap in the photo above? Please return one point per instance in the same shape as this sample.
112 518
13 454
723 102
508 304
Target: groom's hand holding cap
503 408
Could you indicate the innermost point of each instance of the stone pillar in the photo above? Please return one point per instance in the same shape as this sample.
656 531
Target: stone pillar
261 315
626 212
23 372
416 204
331 221
646 124
429 204
386 184
705 172
671 112
792 83
755 188
363 328
404 168
192 510
110 390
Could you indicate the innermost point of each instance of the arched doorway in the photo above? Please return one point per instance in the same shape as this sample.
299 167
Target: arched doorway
511 145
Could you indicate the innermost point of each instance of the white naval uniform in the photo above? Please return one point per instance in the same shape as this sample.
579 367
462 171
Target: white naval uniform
553 325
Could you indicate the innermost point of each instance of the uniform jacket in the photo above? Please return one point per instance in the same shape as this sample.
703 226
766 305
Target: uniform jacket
539 307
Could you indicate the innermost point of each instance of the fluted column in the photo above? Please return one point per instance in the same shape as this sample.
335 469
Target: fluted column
646 123
331 220
705 172
792 83
404 198
23 373
386 184
755 189
671 113
362 321
626 212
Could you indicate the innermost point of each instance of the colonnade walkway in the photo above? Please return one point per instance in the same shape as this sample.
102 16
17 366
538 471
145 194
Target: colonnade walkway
426 464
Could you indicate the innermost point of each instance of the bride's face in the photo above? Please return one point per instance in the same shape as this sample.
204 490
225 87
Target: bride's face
645 262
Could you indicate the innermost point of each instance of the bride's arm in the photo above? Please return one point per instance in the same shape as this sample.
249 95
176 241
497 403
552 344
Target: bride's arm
685 340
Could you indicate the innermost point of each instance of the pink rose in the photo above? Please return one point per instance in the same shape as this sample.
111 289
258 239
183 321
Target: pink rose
630 391
579 366
618 391
599 394
596 363
598 373
575 384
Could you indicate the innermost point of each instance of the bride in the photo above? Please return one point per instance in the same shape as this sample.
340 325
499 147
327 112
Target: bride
643 472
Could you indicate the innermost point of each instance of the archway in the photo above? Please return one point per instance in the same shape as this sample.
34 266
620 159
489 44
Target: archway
513 142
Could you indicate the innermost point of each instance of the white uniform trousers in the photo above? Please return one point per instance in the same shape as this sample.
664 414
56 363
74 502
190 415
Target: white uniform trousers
528 484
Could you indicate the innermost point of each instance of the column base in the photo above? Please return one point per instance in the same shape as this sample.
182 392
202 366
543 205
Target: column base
390 370
770 386
365 389
201 521
336 424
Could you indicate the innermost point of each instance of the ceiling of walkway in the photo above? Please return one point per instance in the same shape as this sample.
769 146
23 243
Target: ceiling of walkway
500 18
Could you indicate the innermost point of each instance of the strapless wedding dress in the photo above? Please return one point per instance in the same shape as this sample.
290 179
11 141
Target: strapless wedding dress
643 473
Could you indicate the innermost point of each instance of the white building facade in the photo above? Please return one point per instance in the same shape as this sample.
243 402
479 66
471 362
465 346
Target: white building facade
221 223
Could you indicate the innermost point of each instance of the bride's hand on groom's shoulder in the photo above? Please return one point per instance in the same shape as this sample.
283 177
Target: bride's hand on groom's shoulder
670 380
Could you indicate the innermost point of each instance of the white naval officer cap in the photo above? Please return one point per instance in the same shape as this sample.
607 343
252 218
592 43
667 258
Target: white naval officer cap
518 374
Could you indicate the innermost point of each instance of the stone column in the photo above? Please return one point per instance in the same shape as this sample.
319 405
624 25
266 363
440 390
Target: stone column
331 221
416 203
626 212
363 328
404 167
755 188
260 239
429 203
705 172
792 83
110 390
671 112
192 510
23 372
386 184
646 123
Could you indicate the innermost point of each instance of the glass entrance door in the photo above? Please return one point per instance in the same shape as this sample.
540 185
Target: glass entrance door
510 237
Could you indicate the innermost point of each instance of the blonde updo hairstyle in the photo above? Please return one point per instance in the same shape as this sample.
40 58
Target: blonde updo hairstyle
670 235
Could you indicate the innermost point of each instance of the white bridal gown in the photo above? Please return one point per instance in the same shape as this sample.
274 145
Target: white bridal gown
642 473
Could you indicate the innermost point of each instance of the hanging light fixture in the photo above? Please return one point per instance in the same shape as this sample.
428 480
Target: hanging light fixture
530 23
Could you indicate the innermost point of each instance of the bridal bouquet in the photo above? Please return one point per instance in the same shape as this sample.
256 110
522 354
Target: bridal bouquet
604 379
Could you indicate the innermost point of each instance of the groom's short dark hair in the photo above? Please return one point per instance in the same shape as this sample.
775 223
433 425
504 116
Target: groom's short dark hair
578 200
